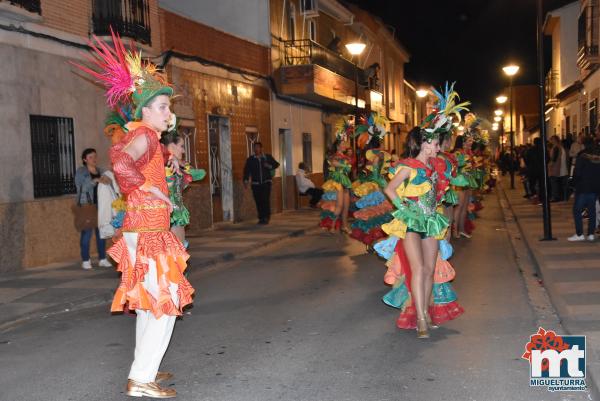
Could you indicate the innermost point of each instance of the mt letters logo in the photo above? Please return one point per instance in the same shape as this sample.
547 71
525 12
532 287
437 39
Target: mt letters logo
556 362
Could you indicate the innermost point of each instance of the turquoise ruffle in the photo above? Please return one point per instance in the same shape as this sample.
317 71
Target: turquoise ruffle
446 249
385 248
329 196
377 221
372 199
459 181
397 297
443 293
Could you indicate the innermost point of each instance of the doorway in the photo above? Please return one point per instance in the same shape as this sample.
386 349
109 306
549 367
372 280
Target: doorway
285 154
221 174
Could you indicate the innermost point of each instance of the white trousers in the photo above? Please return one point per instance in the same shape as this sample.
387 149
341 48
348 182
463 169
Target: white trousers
152 335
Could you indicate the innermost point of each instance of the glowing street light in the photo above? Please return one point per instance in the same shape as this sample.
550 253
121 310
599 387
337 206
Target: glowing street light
501 99
497 119
510 70
422 93
499 112
355 48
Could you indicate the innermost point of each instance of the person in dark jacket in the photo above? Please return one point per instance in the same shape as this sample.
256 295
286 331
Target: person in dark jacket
535 169
587 189
258 172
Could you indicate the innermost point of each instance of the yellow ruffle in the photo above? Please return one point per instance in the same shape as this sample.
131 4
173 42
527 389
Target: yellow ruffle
411 190
332 186
395 227
365 188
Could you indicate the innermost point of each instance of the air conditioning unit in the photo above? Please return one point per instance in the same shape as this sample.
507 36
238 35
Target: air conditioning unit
309 8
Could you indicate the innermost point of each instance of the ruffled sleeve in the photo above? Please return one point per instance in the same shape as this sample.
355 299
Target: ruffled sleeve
128 172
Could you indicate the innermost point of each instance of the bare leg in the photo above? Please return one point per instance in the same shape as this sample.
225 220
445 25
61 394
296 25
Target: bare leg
430 251
463 211
179 232
345 210
458 211
413 247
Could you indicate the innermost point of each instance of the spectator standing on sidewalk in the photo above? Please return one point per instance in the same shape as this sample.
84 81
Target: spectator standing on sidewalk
587 189
535 169
258 172
574 150
87 178
557 170
306 186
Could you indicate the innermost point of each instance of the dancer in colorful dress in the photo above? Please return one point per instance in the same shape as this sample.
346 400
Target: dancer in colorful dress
178 181
450 199
418 184
373 209
150 257
336 197
462 183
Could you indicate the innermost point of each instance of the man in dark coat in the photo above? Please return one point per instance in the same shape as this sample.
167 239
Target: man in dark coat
258 172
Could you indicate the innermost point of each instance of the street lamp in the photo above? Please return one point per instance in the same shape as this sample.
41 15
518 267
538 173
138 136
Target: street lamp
499 112
501 99
510 71
422 93
355 49
497 119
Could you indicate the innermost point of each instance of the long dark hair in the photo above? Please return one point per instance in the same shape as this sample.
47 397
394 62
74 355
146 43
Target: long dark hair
170 137
414 140
459 143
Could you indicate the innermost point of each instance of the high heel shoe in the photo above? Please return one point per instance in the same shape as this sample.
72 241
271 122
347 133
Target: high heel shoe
430 322
422 333
346 230
464 234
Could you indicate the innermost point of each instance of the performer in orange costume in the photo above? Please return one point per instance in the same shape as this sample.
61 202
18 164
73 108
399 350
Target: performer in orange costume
149 256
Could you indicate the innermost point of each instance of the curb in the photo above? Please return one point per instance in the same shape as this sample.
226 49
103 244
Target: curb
103 298
540 297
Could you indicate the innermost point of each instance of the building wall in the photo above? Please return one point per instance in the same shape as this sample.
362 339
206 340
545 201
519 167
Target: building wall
569 73
217 46
212 95
248 19
37 79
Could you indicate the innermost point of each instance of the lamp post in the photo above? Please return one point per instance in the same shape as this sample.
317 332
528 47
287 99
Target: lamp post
510 71
421 95
544 184
355 49
501 100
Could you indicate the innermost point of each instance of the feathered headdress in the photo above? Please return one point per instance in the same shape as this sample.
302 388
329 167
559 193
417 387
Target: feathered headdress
116 121
374 126
344 129
126 77
446 109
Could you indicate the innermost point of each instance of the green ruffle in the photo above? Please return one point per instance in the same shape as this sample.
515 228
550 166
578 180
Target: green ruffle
415 220
327 213
459 181
450 197
341 177
473 182
368 225
180 217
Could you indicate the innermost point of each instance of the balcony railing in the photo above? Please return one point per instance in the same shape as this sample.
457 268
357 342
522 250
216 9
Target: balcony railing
33 6
551 87
587 36
305 51
129 18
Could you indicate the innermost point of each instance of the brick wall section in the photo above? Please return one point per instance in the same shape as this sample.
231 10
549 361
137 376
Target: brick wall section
72 16
75 17
189 37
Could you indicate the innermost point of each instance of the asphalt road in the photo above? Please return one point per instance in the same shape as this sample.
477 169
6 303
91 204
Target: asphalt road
302 321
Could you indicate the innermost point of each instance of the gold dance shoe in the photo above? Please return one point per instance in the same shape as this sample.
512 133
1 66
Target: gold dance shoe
150 390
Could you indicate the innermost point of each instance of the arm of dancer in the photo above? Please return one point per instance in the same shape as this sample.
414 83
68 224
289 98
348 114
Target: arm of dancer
125 165
391 189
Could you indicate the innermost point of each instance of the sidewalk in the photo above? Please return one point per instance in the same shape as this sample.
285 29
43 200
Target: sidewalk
570 271
59 288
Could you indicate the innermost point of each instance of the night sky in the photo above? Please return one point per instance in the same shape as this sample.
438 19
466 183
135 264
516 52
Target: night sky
467 41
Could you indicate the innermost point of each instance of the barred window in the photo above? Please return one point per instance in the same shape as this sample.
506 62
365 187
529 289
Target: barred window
53 156
307 150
